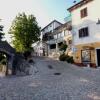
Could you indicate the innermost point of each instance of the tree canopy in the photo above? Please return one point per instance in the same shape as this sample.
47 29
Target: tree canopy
25 31
1 33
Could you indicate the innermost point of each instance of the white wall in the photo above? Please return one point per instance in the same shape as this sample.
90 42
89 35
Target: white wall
89 21
56 25
38 48
51 27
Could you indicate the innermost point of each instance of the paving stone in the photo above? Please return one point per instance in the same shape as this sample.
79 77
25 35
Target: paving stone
74 83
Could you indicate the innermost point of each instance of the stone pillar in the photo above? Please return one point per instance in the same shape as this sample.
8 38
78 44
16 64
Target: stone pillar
56 47
11 63
48 49
9 67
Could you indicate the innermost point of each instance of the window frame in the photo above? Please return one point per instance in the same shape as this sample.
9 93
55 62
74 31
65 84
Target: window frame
84 13
83 54
83 32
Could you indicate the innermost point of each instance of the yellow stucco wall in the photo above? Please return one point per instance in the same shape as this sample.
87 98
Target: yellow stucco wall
77 54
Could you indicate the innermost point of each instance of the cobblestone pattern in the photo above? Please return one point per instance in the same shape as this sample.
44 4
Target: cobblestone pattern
74 83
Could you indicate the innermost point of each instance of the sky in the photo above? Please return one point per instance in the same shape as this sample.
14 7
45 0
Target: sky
44 10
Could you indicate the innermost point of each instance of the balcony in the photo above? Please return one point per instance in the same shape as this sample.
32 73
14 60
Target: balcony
54 41
47 36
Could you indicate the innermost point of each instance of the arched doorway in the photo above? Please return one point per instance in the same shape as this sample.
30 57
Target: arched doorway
3 61
9 53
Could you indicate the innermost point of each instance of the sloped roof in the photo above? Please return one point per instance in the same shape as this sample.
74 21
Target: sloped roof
79 4
51 23
5 46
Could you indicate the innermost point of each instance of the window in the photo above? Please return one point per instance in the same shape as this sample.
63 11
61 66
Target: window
86 55
83 32
83 12
53 46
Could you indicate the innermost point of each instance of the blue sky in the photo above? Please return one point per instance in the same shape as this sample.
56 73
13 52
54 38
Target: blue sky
57 9
44 10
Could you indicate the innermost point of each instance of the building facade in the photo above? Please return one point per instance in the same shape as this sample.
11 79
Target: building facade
55 38
38 49
46 35
86 32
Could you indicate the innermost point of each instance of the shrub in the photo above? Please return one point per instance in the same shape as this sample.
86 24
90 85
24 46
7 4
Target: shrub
67 58
63 47
62 57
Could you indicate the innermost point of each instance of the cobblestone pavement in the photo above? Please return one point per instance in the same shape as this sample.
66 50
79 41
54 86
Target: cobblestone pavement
74 83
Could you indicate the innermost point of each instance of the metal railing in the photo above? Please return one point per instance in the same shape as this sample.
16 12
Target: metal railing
54 41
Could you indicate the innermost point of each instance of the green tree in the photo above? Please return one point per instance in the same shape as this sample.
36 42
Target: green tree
1 33
1 37
25 31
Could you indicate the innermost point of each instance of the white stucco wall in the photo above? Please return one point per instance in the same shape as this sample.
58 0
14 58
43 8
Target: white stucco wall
56 25
38 48
89 21
51 27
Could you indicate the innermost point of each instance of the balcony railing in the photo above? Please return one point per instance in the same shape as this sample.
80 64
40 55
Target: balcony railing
54 41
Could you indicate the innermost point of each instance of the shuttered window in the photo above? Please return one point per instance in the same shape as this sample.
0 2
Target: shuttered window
83 13
83 32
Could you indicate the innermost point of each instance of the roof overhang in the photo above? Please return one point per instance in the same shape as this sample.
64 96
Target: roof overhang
81 3
51 23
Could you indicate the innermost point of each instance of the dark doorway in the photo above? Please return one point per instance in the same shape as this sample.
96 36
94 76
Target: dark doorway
98 57
53 46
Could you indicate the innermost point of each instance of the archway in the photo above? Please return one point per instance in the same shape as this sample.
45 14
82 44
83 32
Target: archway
6 62
9 52
3 60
